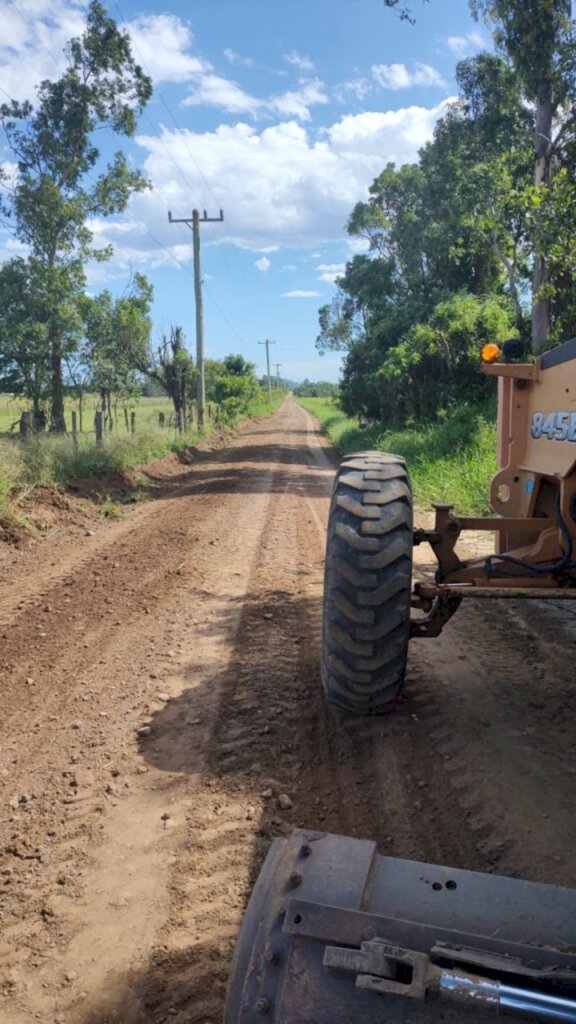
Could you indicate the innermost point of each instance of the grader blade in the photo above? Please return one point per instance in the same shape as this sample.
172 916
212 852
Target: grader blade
335 933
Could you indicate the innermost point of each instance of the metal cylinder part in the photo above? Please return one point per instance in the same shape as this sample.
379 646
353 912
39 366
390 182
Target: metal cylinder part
488 993
522 1002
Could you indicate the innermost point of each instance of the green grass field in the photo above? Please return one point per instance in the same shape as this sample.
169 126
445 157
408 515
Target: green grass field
50 459
450 461
146 410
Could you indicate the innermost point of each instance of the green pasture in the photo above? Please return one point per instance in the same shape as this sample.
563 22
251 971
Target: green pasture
146 410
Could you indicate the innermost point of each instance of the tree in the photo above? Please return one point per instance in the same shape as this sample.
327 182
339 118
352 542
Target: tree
404 12
538 38
176 372
117 341
316 389
237 387
238 366
56 192
335 320
170 365
24 367
447 261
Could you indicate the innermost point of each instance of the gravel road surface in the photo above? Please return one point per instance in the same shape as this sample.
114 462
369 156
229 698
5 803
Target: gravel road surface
161 720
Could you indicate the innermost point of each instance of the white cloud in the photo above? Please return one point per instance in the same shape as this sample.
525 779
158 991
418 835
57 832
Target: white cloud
299 294
215 91
282 186
460 45
302 63
263 263
26 59
289 268
358 87
358 246
397 76
8 175
162 43
296 103
234 58
331 271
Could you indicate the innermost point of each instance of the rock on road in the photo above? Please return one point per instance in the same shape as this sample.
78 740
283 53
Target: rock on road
161 720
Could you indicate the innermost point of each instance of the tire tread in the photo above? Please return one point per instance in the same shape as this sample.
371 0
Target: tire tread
367 586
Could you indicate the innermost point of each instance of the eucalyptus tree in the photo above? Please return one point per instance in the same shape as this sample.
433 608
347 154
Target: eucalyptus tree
61 184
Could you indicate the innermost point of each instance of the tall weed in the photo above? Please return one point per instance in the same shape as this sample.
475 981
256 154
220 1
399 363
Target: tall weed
452 460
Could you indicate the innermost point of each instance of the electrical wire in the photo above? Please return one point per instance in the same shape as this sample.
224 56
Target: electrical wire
35 34
154 127
182 136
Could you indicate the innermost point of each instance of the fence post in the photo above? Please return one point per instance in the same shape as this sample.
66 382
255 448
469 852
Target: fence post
161 419
74 432
181 426
132 422
26 424
99 427
126 420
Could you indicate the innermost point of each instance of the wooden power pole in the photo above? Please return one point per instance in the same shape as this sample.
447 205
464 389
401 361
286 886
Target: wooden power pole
194 222
268 343
278 365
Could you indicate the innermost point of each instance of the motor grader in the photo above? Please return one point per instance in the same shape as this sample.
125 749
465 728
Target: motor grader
334 932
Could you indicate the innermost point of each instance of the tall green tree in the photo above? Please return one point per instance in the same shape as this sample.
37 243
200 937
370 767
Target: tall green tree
538 38
24 367
59 188
117 341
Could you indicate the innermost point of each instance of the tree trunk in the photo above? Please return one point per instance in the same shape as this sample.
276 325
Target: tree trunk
510 268
57 417
540 274
178 411
38 415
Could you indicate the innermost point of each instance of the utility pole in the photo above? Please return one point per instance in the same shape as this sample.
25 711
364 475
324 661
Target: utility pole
194 222
268 343
278 365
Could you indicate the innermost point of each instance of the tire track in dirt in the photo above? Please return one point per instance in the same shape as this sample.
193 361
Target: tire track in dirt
499 709
267 728
54 823
158 837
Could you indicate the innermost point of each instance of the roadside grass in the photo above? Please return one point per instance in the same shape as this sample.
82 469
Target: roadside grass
55 460
452 460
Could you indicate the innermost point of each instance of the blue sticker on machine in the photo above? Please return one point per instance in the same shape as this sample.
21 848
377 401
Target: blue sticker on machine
529 486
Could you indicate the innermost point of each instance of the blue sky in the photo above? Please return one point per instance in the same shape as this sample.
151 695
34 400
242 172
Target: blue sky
281 114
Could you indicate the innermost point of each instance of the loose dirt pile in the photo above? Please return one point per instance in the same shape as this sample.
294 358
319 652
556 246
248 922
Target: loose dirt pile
162 720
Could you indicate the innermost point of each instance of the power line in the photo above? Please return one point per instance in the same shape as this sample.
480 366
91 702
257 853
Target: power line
34 33
186 180
203 178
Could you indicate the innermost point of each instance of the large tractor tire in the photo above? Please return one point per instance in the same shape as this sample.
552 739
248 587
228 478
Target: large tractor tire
367 584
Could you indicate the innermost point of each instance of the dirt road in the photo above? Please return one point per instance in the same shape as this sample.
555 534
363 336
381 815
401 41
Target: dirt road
160 690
